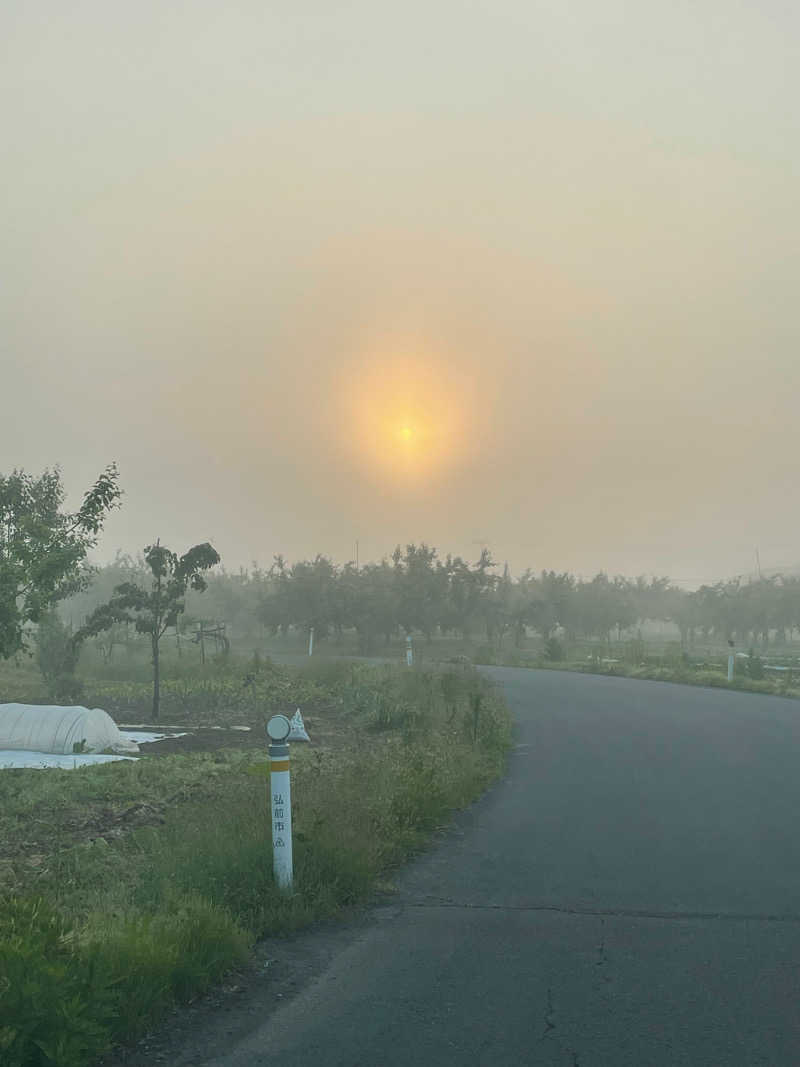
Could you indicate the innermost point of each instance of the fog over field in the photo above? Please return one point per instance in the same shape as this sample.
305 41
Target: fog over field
519 273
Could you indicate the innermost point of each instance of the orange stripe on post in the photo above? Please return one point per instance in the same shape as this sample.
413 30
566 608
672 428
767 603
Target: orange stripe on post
279 765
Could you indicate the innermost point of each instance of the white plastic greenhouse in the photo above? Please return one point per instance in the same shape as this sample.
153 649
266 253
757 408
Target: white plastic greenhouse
64 730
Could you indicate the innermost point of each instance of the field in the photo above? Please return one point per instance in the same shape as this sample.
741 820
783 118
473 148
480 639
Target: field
130 887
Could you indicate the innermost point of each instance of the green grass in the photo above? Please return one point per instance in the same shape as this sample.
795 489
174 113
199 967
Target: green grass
206 699
667 668
154 910
688 675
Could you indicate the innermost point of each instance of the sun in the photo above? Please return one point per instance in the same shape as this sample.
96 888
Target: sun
407 416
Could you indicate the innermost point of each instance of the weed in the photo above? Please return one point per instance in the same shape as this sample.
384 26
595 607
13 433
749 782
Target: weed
161 912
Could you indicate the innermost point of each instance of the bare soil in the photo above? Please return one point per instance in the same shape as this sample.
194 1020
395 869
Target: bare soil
325 727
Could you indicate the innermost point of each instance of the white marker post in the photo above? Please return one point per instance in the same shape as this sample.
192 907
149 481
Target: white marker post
311 641
409 652
730 662
278 730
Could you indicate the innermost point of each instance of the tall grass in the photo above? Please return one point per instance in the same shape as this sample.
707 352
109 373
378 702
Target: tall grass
129 927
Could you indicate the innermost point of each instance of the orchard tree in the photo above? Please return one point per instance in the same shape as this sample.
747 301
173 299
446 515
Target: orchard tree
43 548
370 600
153 610
311 595
274 609
417 587
551 601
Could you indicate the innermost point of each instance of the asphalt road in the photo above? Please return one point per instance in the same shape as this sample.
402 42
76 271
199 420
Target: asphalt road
628 895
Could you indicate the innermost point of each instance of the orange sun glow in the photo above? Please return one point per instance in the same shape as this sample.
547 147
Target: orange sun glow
407 419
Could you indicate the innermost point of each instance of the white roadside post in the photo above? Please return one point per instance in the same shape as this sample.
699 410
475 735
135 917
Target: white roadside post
278 730
730 662
409 652
311 641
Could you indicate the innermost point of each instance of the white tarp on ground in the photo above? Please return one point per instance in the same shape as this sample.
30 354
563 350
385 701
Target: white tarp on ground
146 737
60 730
42 760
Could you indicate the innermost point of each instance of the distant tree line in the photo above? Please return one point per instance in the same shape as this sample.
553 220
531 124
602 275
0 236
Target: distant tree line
415 591
44 570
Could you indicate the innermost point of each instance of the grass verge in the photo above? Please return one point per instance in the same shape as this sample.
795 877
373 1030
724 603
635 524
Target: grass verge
680 673
101 934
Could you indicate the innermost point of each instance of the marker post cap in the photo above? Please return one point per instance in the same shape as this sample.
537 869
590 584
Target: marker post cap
278 728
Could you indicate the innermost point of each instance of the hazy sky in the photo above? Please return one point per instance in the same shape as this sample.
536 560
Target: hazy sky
523 273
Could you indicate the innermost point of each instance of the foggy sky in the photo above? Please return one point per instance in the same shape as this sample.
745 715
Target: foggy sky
239 242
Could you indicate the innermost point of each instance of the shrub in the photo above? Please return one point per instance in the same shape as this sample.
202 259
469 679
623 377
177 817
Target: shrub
553 650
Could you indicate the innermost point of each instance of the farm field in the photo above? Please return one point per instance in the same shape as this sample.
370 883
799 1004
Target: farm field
130 887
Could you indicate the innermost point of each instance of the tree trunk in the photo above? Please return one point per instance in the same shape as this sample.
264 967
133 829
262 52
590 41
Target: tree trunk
156 679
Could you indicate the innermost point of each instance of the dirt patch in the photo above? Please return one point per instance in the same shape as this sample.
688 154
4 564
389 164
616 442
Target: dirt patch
326 727
206 739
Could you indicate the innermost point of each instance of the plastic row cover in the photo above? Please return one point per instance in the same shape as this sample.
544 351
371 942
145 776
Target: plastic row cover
51 728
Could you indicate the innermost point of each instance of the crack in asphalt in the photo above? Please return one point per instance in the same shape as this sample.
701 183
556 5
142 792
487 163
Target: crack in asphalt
548 1016
602 959
622 913
549 1030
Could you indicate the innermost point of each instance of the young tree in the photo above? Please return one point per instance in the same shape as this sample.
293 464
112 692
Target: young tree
42 548
153 610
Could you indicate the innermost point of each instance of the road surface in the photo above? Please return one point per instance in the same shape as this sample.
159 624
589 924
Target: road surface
628 895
